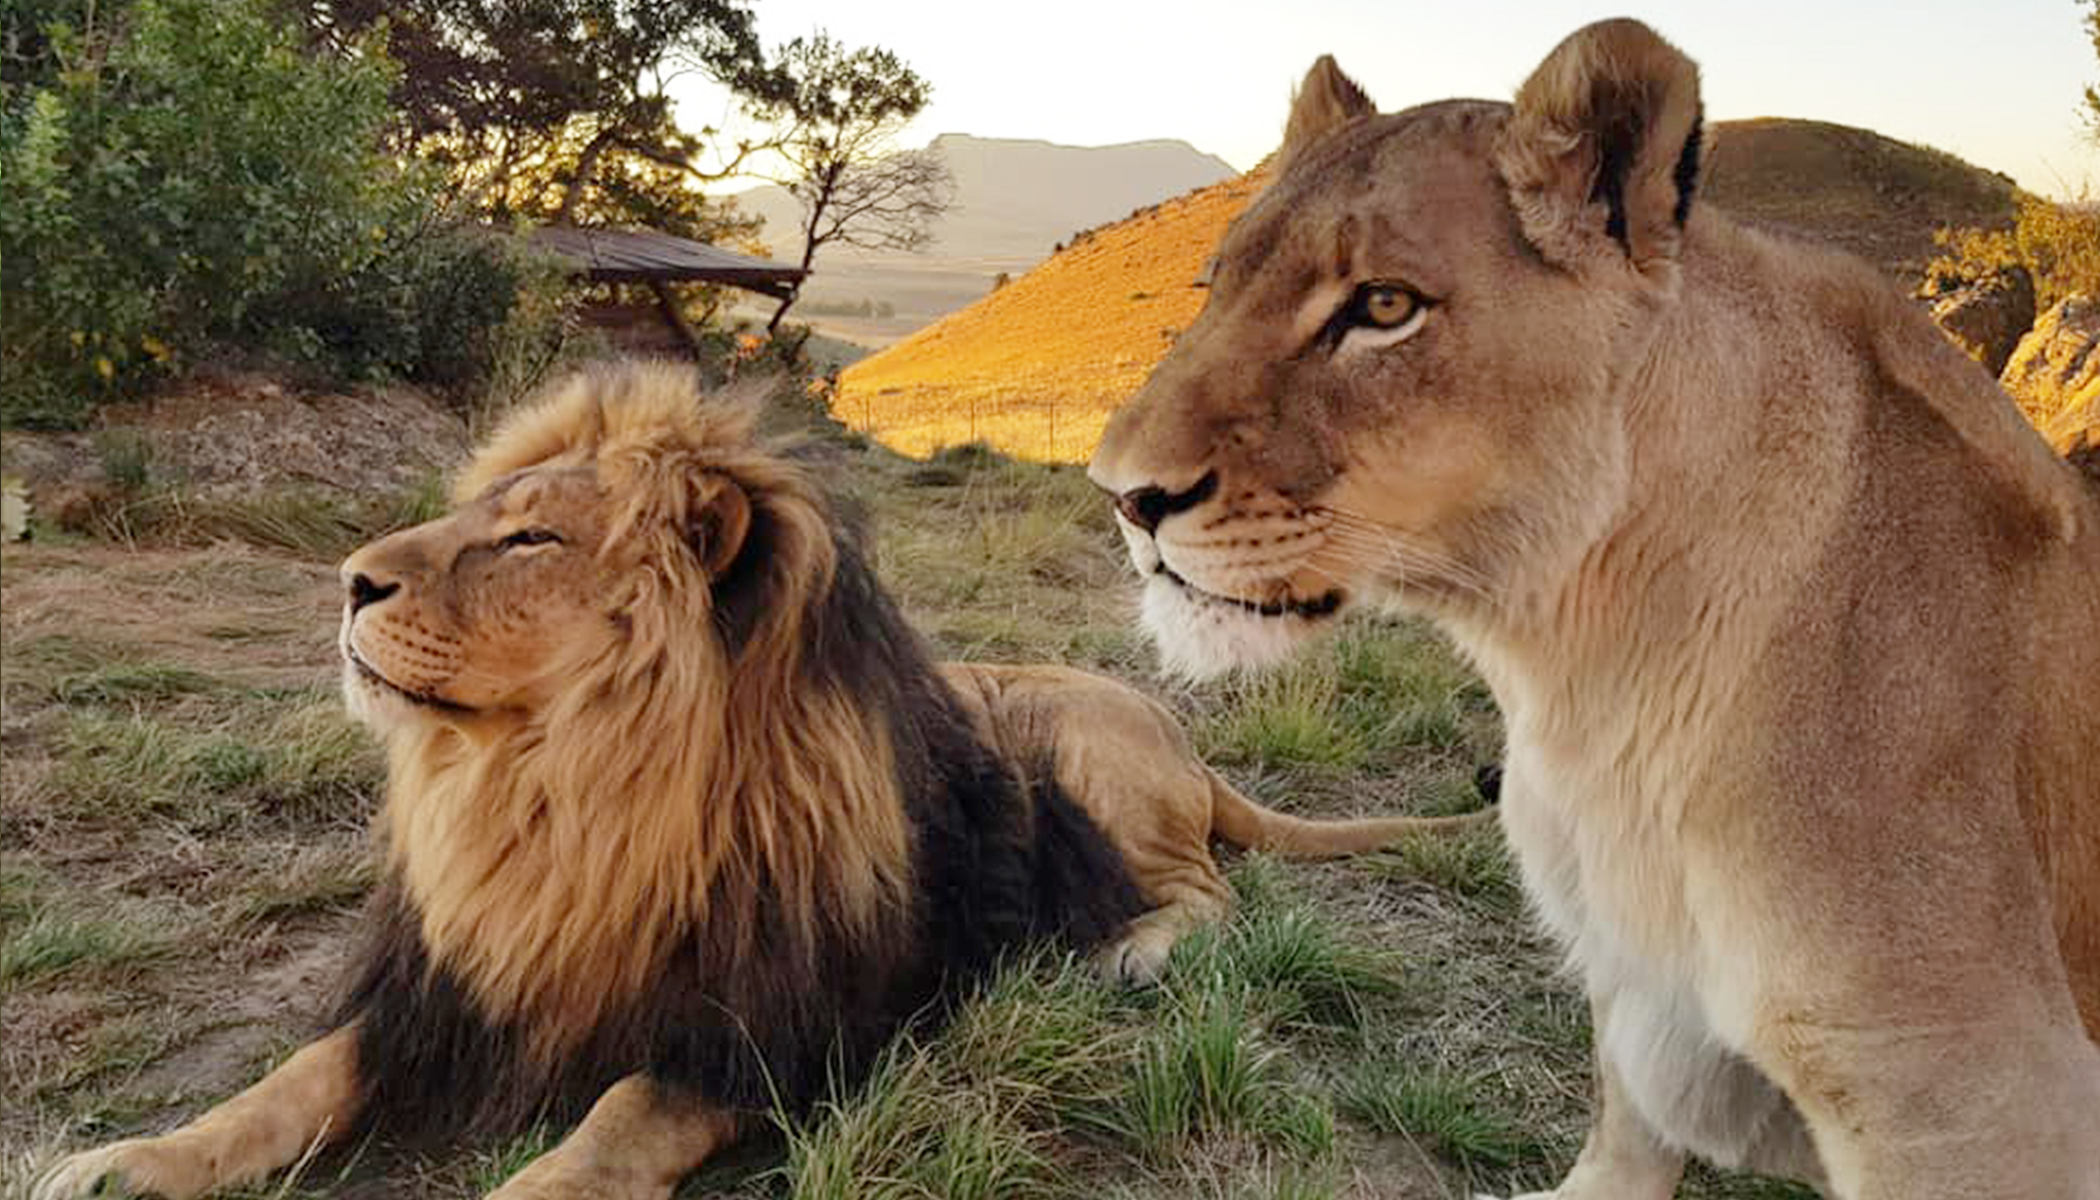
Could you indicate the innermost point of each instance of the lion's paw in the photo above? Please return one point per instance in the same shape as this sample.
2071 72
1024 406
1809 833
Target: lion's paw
1134 960
141 1167
551 1178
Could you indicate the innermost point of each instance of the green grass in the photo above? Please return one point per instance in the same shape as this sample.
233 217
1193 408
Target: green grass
1474 864
46 942
120 683
306 763
1051 1064
1440 1111
1375 696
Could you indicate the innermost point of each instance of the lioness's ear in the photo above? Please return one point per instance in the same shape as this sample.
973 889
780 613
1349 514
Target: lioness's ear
1326 101
718 523
1605 143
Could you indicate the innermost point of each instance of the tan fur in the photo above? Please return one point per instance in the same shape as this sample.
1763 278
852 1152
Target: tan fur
1789 615
552 710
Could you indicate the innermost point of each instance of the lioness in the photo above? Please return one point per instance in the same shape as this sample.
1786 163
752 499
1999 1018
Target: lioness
1794 623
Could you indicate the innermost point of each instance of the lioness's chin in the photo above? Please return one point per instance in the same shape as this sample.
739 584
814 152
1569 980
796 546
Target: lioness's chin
1202 636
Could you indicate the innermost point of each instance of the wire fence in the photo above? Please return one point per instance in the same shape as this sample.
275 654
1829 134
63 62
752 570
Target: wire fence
1054 427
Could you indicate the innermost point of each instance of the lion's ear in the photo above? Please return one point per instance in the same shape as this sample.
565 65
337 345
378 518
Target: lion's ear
718 523
1326 101
1606 142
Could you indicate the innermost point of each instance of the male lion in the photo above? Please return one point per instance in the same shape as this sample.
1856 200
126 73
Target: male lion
681 819
1792 620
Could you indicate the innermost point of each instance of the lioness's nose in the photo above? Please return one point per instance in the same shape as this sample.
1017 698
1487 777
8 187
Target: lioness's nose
1145 507
366 590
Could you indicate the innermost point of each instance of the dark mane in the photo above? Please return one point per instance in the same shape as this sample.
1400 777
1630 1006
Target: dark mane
759 1015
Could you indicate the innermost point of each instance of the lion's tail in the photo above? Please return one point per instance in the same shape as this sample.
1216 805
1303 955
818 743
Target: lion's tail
1239 820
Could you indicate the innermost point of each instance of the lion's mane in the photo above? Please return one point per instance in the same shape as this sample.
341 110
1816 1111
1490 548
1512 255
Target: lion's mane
740 852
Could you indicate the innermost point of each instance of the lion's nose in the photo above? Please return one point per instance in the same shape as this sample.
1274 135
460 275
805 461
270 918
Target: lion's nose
1146 507
366 590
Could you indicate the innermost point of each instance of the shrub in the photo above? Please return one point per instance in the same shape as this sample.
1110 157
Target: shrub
2057 244
186 175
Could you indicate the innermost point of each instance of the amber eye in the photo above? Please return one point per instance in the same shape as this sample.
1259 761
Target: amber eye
1385 305
529 537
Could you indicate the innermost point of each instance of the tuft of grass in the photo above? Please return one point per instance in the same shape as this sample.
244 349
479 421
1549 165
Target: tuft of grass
1472 863
1294 717
122 683
306 764
1441 1112
1378 695
906 1134
126 456
1204 1068
1307 972
316 878
429 499
494 1165
47 942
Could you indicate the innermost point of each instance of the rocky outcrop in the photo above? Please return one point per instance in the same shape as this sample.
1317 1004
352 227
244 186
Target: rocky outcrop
1987 317
2054 373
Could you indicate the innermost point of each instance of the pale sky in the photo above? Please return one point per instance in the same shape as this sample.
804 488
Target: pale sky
1997 83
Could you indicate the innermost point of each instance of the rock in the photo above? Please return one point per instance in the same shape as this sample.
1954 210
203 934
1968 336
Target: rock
2075 432
2054 373
1987 318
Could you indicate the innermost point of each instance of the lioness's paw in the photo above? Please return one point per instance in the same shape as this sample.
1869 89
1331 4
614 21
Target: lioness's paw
141 1167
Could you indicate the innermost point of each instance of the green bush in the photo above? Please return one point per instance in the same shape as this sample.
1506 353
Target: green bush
187 176
2057 244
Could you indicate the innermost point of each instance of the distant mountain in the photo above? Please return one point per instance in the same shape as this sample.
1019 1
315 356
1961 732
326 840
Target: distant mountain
1015 199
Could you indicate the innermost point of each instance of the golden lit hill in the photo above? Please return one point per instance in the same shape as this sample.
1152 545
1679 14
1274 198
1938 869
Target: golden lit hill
1035 367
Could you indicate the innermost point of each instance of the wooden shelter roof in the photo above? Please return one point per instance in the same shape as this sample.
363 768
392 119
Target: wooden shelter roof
646 256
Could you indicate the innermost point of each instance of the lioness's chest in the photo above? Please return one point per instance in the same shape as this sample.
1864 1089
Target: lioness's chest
1595 838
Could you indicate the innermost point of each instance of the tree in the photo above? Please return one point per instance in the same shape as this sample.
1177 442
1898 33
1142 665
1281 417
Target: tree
2092 94
179 175
843 109
558 110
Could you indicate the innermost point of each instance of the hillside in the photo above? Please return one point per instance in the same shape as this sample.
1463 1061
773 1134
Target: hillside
1036 367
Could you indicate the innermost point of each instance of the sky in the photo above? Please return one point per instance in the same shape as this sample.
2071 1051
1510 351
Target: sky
1997 83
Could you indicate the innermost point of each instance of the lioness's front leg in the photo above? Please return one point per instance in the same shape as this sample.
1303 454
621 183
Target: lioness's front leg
311 1099
1622 1158
636 1143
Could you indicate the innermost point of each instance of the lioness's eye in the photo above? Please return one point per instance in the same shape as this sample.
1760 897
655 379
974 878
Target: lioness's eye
529 537
1384 305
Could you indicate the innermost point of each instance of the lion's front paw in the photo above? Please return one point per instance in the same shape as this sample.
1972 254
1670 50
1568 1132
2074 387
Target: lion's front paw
161 1166
550 1177
1135 960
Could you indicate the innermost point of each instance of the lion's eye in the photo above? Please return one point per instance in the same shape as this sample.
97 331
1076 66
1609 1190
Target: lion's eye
1384 305
528 537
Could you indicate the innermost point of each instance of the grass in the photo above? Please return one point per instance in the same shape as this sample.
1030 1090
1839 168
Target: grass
264 761
1051 1065
46 942
1440 1111
1377 696
182 844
